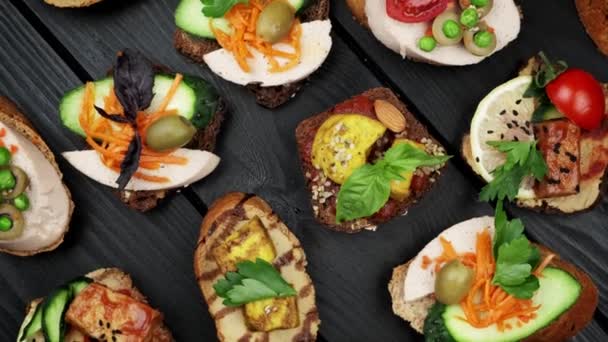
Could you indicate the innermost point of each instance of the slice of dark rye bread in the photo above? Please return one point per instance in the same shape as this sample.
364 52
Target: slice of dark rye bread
325 214
119 281
271 97
221 219
592 189
11 116
564 327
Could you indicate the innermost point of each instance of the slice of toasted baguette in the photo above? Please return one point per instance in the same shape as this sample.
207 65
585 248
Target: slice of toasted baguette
593 160
325 212
72 3
224 216
271 97
116 280
358 9
594 16
564 327
11 116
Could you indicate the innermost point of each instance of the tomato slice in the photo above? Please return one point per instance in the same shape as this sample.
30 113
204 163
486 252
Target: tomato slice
579 96
415 11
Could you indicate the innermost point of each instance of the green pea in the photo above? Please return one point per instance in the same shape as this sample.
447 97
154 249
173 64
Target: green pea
469 17
22 202
5 223
479 3
5 156
7 179
451 29
427 43
483 39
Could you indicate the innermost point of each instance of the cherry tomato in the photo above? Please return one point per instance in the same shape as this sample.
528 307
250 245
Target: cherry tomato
415 11
579 97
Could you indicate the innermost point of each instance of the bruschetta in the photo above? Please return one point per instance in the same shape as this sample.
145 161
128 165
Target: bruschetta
149 131
104 305
366 161
270 47
252 272
35 206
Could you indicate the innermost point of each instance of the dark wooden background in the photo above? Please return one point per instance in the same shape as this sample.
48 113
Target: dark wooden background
45 51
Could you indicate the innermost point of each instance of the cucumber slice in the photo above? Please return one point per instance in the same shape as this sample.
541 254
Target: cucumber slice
33 327
78 285
190 18
53 311
187 98
557 293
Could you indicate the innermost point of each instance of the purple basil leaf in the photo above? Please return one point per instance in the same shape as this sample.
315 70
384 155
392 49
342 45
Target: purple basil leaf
112 117
130 164
133 82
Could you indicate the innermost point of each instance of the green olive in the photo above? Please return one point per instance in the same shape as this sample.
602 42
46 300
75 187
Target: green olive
21 183
275 21
483 6
446 29
480 43
169 132
11 222
5 156
453 282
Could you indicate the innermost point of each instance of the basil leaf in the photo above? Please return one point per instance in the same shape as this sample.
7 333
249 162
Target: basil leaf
218 8
130 164
133 82
363 193
112 117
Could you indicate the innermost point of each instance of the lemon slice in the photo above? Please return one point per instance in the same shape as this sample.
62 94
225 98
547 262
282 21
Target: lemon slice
503 115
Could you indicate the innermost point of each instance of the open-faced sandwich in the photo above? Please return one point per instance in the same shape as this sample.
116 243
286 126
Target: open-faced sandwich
252 272
542 139
104 305
366 161
72 3
270 46
482 280
594 16
149 130
442 32
35 205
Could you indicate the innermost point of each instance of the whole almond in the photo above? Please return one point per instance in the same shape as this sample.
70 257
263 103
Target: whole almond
390 116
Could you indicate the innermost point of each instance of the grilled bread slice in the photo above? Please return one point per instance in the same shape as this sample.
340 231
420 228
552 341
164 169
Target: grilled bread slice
72 3
229 214
594 16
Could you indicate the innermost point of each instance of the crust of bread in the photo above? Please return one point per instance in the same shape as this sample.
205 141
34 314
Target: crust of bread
242 207
594 16
72 3
114 279
358 9
11 116
564 327
415 130
270 97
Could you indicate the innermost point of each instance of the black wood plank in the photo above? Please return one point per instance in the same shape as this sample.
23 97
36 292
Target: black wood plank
448 96
156 249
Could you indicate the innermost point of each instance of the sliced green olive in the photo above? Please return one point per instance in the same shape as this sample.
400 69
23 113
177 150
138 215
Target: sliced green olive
21 183
5 156
453 282
169 132
275 21
11 222
481 42
446 29
483 6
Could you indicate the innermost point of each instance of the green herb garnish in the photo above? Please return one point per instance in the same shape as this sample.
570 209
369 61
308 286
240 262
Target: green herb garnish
369 187
253 281
515 256
523 159
434 325
547 72
217 8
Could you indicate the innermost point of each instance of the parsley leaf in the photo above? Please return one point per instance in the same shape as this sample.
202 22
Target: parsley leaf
252 281
368 188
523 159
217 8
525 290
506 231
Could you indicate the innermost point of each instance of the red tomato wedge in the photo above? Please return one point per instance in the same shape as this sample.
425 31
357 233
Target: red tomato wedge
415 11
579 96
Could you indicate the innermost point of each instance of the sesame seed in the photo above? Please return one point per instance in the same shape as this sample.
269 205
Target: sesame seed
518 101
504 111
490 131
515 113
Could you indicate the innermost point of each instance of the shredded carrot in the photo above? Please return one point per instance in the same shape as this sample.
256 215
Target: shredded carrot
14 149
111 139
2 132
426 262
543 265
243 20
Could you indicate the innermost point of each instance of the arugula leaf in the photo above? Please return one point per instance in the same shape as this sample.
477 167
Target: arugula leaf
253 281
217 8
368 189
523 159
434 325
